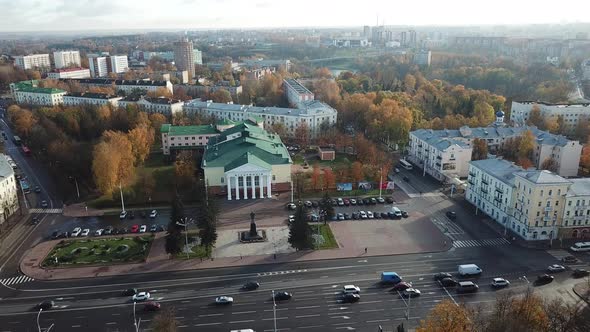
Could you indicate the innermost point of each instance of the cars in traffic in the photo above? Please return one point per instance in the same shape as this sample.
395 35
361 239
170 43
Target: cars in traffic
469 270
223 300
350 298
544 279
151 306
442 275
401 286
411 292
448 282
580 273
390 278
250 285
500 283
44 204
141 296
283 296
45 305
569 259
467 287
451 215
129 292
556 268
351 289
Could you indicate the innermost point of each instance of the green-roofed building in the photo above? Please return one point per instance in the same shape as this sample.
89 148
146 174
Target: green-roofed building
175 138
29 92
247 162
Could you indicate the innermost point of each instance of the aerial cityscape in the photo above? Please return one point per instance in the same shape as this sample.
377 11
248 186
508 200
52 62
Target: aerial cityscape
250 166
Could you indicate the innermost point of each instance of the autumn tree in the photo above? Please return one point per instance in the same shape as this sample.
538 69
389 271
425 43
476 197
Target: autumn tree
279 129
329 179
160 92
23 120
484 113
535 118
549 164
322 72
157 120
551 125
327 91
113 160
221 96
142 139
184 170
302 134
525 149
447 317
165 321
585 157
480 149
315 176
357 171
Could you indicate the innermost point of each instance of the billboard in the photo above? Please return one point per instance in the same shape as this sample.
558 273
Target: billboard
365 185
346 186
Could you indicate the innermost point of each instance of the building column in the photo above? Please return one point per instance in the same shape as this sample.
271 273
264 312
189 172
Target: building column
237 187
245 186
261 188
253 177
228 180
269 188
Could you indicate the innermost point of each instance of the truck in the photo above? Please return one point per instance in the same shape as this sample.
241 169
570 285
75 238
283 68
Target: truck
469 270
390 278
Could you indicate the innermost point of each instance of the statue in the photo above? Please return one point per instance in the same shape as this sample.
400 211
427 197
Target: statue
253 232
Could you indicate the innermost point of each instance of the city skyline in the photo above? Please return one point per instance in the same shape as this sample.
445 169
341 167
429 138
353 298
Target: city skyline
68 15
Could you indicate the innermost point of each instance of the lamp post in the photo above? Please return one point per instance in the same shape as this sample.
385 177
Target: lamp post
77 188
185 225
122 202
39 325
136 322
274 310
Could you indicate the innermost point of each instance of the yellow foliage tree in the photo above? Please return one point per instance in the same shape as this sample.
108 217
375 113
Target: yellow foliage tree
447 317
142 139
112 163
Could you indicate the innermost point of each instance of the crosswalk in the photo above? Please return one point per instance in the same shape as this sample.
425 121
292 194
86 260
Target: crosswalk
53 211
263 274
15 280
480 243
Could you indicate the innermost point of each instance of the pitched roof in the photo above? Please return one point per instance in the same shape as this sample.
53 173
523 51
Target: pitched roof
5 168
31 86
542 177
579 187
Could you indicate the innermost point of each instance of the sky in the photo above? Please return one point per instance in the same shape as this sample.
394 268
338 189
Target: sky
72 15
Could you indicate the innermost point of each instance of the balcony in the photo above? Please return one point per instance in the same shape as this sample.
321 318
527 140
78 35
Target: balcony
548 209
438 164
499 190
498 199
471 182
582 207
484 181
439 157
471 174
484 190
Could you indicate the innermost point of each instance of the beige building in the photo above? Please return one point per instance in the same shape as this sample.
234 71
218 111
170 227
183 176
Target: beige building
69 73
246 162
178 138
572 114
442 158
33 61
8 190
89 98
184 57
576 218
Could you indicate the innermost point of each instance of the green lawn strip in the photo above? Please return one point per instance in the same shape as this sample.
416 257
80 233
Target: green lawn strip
99 251
329 239
196 251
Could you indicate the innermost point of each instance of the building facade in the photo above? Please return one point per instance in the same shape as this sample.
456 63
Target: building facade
185 137
423 58
69 73
89 98
127 86
198 57
98 65
64 59
246 162
33 61
296 92
28 92
160 105
571 114
576 217
184 57
118 64
8 190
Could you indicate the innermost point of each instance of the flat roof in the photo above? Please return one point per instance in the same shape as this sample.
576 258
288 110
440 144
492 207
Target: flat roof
310 107
297 86
188 130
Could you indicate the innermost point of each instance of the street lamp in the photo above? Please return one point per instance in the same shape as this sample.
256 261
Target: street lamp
39 325
185 225
136 322
274 310
77 188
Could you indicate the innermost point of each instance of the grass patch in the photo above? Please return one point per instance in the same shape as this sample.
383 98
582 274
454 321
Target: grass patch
103 251
196 251
329 239
298 159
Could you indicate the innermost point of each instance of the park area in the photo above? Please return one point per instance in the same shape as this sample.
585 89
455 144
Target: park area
103 251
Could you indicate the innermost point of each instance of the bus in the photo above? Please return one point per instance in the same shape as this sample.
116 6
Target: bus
406 165
16 140
25 186
580 246
26 150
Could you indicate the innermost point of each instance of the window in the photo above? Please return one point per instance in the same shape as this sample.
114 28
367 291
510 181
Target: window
548 203
539 204
556 203
558 192
538 214
273 177
222 179
541 193
550 192
569 203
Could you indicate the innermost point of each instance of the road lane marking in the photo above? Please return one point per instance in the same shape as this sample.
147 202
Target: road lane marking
243 312
308 307
111 323
377 321
210 315
278 318
76 325
241 321
372 310
305 316
206 324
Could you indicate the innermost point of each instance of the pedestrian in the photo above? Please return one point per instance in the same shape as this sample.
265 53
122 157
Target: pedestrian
365 250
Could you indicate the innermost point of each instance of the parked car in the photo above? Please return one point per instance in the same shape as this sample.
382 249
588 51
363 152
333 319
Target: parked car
44 204
151 306
544 279
373 200
448 282
381 200
500 283
451 215
134 229
123 215
283 296
347 216
350 298
334 202
140 297
359 201
308 204
131 215
250 285
370 215
153 214
356 215
580 273
340 201
143 229
315 204
63 235
340 216
76 231
391 215
404 214
411 292
224 300
363 214
346 202
569 260
108 230
55 235
129 292
556 268
352 201
366 201
389 200
291 206
401 286
384 215
154 228
85 232
99 232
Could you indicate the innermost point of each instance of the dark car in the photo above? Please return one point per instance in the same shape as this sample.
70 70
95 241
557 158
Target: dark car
334 202
142 214
346 202
389 200
377 215
570 259
404 214
451 215
347 216
161 228
45 305
35 220
63 235
467 287
108 230
401 286
384 215
544 279
283 296
355 215
442 275
250 285
37 189
447 282
151 306
154 228
359 201
350 298
580 273
131 215
315 203
129 292
55 235
366 201
391 215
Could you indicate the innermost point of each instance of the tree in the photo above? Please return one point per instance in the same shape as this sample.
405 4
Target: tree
549 164
329 179
585 157
300 231
141 138
535 118
302 134
279 129
327 207
165 321
160 92
208 225
315 176
327 91
447 317
184 170
527 144
480 149
357 171
322 72
23 120
157 120
174 235
220 96
113 160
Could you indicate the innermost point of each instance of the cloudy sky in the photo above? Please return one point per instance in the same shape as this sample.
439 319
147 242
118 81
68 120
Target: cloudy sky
35 15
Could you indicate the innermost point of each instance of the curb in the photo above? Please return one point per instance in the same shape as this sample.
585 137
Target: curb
581 296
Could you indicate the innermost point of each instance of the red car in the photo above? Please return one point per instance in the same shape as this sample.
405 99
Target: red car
151 306
346 202
401 286
134 228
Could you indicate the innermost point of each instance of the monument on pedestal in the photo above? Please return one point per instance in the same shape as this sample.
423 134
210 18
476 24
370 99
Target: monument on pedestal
253 235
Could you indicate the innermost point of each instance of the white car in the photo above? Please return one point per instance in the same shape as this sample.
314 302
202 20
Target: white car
153 214
143 229
370 215
224 300
291 218
141 296
556 268
123 215
340 216
500 282
99 232
351 289
76 231
352 201
85 232
363 214
411 292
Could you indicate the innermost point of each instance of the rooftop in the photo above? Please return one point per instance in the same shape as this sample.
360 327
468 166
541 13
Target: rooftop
579 187
187 130
501 169
542 177
91 95
162 100
311 107
108 81
31 86
65 70
296 86
5 168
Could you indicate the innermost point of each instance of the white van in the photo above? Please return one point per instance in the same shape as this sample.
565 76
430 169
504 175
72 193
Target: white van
396 212
469 270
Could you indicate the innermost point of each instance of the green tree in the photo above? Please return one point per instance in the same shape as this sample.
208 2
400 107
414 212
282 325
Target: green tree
327 207
299 231
208 225
174 236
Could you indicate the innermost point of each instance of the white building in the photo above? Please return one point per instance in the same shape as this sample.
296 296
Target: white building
442 158
88 98
185 137
65 59
198 56
586 69
118 64
69 73
32 61
571 113
423 58
8 190
160 105
296 92
128 86
313 113
98 65
350 41
27 92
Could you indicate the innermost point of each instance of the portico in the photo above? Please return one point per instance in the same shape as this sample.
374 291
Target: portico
248 182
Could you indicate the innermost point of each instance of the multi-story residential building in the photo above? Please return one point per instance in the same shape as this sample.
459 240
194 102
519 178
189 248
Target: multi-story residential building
28 92
313 113
118 64
98 65
128 86
442 158
89 98
184 57
350 41
566 153
296 92
576 217
33 61
64 73
585 65
178 138
64 59
198 57
571 114
270 63
8 190
423 58
160 105
203 90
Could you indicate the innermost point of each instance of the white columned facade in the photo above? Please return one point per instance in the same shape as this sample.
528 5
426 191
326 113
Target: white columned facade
237 187
269 181
261 188
228 180
245 177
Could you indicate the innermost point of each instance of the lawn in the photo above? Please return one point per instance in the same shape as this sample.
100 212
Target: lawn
326 232
196 250
100 251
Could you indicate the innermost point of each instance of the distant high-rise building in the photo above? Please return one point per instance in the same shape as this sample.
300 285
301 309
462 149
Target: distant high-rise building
198 57
423 58
32 61
367 31
413 39
118 64
388 35
98 65
184 57
403 38
65 59
377 34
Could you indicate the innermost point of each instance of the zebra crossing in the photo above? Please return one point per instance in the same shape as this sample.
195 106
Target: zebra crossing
53 211
480 243
263 274
16 280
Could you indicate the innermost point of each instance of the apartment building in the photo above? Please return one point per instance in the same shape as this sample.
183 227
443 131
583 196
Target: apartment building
128 86
566 153
296 92
118 64
64 59
444 158
185 137
423 58
33 61
65 73
88 98
203 90
98 65
576 217
160 105
8 190
350 41
572 114
28 92
313 113
184 57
